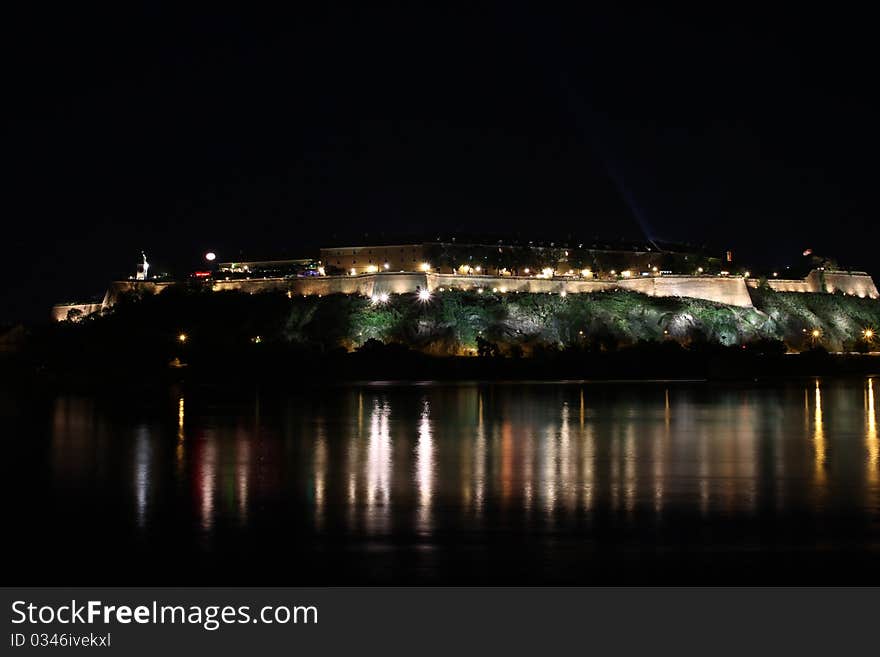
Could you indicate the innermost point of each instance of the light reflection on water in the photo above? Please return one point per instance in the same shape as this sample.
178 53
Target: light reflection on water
373 461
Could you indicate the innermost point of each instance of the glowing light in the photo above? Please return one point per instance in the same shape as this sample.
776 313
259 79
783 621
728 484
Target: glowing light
699 270
547 272
563 293
383 297
868 333
586 273
654 269
526 270
626 273
478 268
386 265
747 274
372 269
256 339
210 256
352 271
425 266
816 333
424 296
182 337
775 274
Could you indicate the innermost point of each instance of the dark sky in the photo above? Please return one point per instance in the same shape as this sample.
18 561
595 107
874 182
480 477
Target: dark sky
174 130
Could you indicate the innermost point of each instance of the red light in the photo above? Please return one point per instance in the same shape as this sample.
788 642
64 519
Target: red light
201 274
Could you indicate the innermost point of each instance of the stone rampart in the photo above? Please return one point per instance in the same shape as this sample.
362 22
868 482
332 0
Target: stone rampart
727 290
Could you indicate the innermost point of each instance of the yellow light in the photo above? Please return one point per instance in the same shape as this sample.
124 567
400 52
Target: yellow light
352 271
372 269
613 272
181 337
425 266
257 339
816 333
478 268
586 273
626 273
547 272
654 269
526 270
386 265
868 333
699 270
747 274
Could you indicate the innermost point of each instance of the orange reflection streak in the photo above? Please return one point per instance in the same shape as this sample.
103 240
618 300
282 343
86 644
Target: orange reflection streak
819 436
507 457
871 440
179 451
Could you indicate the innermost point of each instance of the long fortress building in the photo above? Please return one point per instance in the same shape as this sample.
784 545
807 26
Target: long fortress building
499 268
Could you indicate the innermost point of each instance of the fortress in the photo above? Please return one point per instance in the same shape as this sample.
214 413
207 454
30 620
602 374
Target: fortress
403 269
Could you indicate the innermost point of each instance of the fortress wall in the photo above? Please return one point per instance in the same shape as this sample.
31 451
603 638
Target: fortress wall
731 291
785 284
252 286
60 310
855 283
516 283
325 285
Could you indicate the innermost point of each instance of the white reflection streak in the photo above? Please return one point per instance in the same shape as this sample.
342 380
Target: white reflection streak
378 462
550 457
207 478
480 460
660 455
319 466
569 477
142 473
242 476
629 465
425 467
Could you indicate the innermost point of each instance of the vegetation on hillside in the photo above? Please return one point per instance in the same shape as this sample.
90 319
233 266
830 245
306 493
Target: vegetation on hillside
457 322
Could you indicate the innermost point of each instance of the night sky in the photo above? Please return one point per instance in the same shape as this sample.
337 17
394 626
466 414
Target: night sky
174 130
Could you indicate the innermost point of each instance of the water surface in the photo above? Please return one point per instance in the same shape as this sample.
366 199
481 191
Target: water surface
447 483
